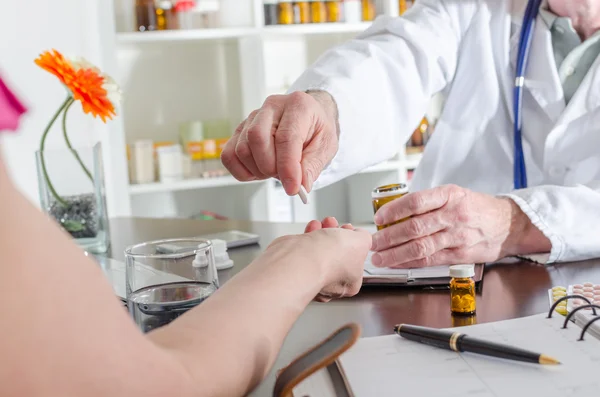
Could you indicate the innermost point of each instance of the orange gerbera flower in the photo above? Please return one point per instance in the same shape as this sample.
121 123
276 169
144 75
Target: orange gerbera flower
86 83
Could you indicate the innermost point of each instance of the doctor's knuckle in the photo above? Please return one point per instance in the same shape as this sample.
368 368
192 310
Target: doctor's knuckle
299 100
463 213
255 135
387 238
391 257
272 101
427 261
251 116
419 248
287 137
415 227
415 202
454 191
240 127
228 157
242 150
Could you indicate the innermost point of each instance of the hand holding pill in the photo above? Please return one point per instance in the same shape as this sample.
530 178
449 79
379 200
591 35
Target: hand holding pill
291 138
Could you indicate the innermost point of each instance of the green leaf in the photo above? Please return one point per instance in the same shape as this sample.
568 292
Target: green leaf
73 226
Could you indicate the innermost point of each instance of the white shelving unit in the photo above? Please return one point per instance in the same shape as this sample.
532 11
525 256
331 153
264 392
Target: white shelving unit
185 35
186 184
170 77
234 33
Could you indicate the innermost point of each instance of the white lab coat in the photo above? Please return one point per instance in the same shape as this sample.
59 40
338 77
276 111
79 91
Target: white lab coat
383 81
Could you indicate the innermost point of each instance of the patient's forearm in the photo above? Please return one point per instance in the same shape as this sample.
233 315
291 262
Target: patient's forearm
244 324
225 346
64 330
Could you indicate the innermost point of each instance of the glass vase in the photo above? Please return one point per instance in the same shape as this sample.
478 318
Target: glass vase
71 186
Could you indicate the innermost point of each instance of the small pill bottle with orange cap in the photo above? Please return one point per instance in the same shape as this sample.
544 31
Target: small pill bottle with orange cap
462 290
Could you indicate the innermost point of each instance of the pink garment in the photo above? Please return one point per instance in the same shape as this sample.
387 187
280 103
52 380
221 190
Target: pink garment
10 109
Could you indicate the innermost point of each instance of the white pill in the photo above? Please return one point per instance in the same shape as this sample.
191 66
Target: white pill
588 285
588 295
303 195
596 287
578 292
588 289
578 302
578 286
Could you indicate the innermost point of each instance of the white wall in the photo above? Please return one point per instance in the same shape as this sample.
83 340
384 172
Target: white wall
74 27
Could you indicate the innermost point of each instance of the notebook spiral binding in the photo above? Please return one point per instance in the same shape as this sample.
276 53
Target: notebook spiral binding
568 317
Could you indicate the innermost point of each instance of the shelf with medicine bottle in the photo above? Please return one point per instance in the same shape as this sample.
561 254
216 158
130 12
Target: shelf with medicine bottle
294 12
178 82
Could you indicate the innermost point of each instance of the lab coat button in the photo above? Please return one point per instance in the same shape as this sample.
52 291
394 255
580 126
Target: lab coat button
570 70
556 171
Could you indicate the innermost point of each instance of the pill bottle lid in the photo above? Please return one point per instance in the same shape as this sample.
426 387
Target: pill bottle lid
389 190
169 149
462 271
142 143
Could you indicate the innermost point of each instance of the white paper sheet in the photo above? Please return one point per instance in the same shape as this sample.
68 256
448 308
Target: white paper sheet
391 365
426 272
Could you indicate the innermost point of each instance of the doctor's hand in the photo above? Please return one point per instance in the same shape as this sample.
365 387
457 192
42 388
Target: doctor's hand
449 225
291 138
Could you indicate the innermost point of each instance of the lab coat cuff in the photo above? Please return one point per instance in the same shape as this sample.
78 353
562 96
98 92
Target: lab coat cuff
528 207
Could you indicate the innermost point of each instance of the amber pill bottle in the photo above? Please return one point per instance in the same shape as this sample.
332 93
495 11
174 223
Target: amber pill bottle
462 290
286 12
384 194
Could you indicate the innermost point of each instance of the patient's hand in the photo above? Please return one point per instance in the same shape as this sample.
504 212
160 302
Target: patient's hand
345 255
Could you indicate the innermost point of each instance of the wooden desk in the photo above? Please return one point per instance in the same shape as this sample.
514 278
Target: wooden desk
509 290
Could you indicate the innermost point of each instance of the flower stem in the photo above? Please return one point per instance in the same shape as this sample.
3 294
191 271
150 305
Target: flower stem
43 144
68 142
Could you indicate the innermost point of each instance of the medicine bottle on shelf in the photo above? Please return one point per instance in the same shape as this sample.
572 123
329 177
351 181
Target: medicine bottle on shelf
145 15
170 163
286 12
185 11
352 11
402 6
166 17
368 10
419 138
334 10
318 11
462 290
270 10
302 12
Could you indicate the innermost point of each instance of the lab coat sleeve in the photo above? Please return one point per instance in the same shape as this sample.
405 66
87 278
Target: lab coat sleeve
383 80
567 215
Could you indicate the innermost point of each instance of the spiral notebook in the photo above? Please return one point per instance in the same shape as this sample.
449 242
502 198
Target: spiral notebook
391 365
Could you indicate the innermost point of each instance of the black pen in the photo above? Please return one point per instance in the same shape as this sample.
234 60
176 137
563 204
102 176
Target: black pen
459 342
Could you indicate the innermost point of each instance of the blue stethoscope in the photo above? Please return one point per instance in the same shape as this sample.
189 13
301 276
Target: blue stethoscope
520 172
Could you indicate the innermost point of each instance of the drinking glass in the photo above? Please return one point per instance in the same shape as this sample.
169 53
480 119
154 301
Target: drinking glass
166 278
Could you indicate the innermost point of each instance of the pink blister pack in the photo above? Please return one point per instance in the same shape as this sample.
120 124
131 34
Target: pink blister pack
589 290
